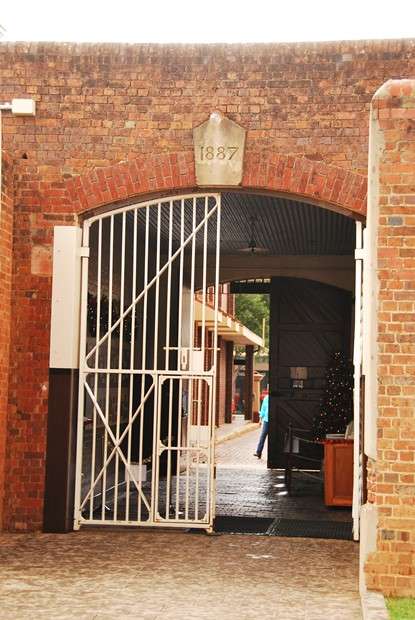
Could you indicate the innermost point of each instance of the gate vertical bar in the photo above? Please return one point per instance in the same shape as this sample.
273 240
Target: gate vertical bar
191 356
108 375
180 309
156 413
179 445
120 364
212 477
167 359
180 334
97 336
168 301
82 369
132 353
201 390
144 356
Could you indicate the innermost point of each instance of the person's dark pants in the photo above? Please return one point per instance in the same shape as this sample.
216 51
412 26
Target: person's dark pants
264 434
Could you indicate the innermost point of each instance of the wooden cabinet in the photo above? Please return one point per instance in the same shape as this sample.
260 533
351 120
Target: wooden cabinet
338 473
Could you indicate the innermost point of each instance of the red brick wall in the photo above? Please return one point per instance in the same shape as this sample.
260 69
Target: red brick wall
305 108
99 104
392 476
6 237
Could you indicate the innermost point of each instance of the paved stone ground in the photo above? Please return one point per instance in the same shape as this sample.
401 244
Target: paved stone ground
238 424
150 575
238 453
245 487
109 574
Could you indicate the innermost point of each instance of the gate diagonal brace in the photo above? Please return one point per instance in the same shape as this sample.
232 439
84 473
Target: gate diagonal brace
153 281
117 444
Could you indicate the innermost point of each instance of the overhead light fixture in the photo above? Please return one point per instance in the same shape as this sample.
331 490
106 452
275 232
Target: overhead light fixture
252 247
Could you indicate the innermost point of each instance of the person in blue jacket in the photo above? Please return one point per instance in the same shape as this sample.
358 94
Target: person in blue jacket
263 416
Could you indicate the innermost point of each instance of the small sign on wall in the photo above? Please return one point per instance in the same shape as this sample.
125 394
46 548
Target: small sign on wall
219 146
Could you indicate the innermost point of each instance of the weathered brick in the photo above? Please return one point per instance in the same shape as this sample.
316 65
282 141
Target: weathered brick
393 572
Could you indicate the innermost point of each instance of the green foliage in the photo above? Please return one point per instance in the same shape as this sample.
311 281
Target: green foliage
401 608
337 405
251 309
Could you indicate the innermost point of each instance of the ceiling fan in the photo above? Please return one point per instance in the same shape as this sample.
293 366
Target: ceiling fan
252 247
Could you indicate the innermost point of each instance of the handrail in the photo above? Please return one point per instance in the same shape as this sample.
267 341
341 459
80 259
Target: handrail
290 454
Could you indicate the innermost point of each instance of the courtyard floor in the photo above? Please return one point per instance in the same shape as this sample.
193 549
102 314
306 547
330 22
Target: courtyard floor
98 574
245 487
148 575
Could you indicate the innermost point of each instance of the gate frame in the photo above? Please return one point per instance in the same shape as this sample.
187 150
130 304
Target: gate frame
159 375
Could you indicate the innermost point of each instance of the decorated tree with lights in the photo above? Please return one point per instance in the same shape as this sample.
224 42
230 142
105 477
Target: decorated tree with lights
337 405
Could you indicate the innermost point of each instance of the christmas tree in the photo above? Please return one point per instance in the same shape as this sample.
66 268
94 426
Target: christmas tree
337 405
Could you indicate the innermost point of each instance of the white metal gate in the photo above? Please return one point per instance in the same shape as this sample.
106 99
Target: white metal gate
147 387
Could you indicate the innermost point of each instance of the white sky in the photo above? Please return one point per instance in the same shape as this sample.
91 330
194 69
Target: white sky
197 21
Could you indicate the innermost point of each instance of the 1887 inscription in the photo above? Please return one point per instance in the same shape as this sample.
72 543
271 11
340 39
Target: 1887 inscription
219 148
218 152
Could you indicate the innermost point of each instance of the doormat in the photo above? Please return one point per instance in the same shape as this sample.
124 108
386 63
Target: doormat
242 525
293 528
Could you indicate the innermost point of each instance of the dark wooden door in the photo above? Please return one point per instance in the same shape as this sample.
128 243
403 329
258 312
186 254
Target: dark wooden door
309 321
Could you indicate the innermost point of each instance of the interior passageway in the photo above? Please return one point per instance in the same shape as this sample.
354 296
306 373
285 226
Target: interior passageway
246 488
302 256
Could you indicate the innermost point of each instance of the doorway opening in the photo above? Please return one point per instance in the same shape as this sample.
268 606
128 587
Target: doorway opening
302 258
159 335
309 327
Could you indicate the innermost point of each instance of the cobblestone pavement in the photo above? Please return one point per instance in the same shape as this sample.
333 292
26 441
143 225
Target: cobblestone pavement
150 575
245 487
238 452
238 424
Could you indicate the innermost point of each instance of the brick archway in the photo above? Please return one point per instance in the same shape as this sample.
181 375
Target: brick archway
132 180
315 182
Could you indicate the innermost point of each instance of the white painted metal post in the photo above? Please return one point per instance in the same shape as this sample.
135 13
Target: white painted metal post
81 392
357 362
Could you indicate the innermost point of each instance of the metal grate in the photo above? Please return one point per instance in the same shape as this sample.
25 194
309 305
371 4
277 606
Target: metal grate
291 528
242 525
311 529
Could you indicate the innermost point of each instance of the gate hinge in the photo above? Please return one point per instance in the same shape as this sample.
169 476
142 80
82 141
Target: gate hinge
359 254
84 252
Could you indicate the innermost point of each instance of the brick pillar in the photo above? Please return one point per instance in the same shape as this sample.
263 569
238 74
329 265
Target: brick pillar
229 382
6 233
249 381
390 354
